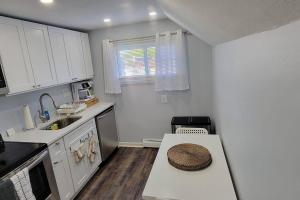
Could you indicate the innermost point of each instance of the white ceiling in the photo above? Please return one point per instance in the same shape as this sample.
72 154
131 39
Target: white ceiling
214 21
81 14
217 21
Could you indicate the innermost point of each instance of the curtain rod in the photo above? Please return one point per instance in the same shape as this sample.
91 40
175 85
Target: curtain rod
148 37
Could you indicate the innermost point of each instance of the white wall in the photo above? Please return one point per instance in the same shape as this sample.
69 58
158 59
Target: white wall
257 111
140 114
10 107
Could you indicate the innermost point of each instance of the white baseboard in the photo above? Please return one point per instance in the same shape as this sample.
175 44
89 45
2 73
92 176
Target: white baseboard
131 144
152 142
149 142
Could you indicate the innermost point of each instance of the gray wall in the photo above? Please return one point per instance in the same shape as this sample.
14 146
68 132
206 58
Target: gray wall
10 107
140 114
257 111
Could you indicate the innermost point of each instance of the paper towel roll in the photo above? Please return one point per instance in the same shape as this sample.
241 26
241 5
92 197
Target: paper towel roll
28 122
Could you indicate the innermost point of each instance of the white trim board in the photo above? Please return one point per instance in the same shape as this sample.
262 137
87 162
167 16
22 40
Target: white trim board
131 144
152 142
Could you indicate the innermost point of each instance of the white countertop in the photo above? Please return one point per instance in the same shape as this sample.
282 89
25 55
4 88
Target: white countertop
212 183
49 137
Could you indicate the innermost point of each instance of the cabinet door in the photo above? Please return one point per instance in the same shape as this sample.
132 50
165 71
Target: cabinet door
14 56
40 54
94 164
79 169
63 177
59 51
75 55
87 55
61 170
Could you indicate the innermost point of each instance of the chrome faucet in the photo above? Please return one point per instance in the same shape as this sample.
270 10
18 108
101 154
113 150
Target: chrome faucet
42 116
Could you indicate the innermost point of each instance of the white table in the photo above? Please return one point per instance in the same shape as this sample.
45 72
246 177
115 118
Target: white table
213 183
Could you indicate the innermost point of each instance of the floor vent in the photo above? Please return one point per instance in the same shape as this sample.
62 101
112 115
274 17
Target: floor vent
151 142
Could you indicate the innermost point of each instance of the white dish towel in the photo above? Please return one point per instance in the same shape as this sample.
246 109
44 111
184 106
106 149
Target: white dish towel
22 185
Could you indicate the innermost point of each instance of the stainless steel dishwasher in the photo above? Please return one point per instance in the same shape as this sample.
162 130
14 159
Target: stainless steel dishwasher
107 132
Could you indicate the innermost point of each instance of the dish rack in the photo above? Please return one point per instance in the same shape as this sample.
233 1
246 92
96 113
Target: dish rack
71 108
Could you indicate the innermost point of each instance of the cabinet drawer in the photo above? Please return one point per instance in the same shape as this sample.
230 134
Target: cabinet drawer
79 131
56 148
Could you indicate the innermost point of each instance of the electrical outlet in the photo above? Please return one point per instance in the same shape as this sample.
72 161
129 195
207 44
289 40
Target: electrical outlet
164 98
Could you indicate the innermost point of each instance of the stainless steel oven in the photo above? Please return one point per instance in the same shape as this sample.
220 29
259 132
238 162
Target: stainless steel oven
41 176
3 85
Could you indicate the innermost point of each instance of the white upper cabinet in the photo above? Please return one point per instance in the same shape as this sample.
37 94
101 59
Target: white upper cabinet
59 50
87 55
40 54
14 56
36 56
75 55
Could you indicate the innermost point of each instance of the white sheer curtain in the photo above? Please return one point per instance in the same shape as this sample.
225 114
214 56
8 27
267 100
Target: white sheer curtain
111 72
171 63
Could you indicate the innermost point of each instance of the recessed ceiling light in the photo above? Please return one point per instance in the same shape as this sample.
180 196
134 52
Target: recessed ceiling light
152 13
107 20
46 1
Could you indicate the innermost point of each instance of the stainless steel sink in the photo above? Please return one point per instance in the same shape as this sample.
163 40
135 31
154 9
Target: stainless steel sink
61 123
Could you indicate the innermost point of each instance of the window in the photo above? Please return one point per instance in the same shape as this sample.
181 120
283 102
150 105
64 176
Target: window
136 60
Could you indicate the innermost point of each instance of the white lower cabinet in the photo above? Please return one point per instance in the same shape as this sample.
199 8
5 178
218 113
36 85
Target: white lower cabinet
71 172
78 168
77 142
61 170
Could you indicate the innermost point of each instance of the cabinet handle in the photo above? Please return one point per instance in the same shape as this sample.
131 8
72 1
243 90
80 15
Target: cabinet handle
57 143
38 85
33 86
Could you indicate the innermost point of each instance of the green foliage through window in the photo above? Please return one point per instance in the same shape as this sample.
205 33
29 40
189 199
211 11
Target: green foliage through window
137 62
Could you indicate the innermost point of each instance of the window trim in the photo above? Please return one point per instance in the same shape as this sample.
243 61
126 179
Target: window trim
137 80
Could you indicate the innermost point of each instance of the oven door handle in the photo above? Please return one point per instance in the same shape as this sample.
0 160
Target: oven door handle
37 160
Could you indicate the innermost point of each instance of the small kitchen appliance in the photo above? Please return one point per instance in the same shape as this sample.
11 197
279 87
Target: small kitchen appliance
83 91
72 108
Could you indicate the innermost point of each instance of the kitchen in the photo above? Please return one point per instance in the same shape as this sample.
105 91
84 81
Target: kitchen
92 93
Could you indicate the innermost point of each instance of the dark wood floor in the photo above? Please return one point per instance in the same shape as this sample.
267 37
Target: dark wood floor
123 177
